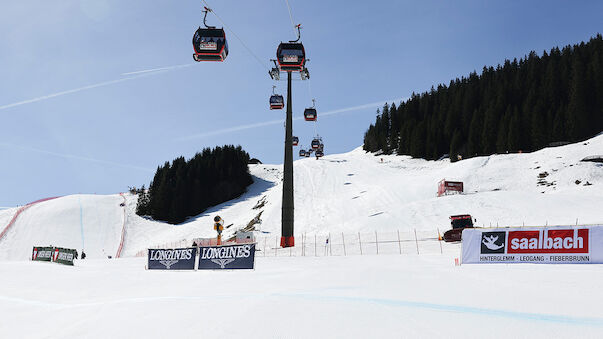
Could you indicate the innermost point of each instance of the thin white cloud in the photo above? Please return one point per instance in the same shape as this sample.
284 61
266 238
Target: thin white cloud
75 157
275 122
49 96
168 68
132 76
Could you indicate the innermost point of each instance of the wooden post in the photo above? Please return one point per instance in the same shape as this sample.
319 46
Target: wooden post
360 243
330 244
416 241
399 244
376 242
343 239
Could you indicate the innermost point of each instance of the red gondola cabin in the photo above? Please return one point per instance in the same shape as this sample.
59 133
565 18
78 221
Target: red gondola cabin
291 56
210 44
310 114
277 101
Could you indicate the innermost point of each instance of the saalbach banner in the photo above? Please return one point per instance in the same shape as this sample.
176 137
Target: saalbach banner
227 257
540 245
42 253
63 256
172 259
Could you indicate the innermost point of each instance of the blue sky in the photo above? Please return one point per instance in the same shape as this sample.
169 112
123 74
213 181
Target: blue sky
76 118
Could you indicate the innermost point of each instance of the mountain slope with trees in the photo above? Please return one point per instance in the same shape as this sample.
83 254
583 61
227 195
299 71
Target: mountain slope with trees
521 105
186 188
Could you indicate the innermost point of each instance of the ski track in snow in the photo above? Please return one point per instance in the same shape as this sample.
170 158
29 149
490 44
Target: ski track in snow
487 312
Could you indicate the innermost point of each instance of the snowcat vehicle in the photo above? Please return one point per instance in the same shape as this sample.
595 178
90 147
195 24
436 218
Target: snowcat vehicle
459 223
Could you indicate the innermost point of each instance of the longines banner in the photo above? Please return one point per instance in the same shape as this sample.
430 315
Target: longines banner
63 256
172 259
42 253
227 257
540 245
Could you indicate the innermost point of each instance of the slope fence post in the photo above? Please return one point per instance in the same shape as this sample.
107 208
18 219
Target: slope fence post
416 241
360 243
343 239
440 241
399 243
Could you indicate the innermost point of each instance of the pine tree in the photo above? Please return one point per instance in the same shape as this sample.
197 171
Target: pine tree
522 104
186 188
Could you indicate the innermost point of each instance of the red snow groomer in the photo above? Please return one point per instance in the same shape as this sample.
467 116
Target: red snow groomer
446 187
459 223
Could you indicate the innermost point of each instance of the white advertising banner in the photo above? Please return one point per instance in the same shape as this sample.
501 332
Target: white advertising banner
539 245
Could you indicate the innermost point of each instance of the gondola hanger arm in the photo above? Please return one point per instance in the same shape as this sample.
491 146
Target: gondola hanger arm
298 26
205 10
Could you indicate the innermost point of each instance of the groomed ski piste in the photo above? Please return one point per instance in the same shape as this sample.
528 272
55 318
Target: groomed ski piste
354 296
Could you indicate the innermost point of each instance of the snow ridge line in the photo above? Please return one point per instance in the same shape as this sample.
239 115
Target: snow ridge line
123 230
19 211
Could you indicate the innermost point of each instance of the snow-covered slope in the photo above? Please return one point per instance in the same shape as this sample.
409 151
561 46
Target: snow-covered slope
352 192
385 296
93 222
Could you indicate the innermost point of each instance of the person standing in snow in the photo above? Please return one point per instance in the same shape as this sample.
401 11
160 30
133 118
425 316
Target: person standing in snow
219 227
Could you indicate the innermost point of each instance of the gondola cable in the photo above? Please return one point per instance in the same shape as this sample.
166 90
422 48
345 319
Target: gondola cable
309 113
291 17
309 85
235 34
315 121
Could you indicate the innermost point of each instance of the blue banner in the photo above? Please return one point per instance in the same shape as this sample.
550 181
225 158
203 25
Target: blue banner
227 257
172 259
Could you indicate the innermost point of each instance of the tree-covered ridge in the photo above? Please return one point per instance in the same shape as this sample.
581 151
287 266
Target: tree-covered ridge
520 105
186 188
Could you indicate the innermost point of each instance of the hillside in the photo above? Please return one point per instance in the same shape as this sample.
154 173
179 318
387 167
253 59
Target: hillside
517 105
351 192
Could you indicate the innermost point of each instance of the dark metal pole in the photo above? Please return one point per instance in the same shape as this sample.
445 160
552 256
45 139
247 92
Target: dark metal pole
287 239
